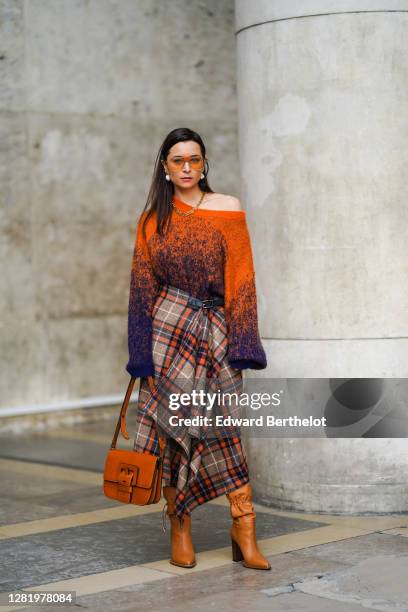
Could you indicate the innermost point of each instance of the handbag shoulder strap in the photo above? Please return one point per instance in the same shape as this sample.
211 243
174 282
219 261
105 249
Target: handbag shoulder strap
121 424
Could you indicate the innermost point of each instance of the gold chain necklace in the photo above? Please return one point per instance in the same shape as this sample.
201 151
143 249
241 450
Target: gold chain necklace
188 212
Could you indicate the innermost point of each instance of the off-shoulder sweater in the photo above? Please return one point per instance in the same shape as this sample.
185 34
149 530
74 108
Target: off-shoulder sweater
206 253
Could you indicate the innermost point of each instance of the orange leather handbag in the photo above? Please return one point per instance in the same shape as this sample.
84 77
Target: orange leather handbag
129 476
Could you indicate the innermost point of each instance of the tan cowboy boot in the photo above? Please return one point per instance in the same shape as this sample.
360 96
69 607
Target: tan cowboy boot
243 530
182 551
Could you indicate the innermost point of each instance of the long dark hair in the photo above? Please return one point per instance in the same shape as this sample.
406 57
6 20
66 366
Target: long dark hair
161 191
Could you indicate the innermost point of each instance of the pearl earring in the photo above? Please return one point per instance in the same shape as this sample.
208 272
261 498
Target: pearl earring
167 177
202 175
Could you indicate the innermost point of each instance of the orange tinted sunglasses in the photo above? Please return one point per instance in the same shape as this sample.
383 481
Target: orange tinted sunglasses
177 163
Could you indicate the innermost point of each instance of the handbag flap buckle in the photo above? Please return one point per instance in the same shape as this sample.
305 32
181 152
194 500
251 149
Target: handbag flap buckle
127 477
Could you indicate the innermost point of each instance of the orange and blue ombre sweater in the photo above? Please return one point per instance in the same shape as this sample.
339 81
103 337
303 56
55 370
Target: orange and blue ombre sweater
206 253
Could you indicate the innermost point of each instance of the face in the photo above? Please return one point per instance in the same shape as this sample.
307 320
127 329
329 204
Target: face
183 173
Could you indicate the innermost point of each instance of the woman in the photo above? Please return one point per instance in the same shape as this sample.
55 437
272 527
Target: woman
192 325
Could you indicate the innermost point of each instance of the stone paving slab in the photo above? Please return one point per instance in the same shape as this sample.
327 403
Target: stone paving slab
45 449
31 497
377 583
357 549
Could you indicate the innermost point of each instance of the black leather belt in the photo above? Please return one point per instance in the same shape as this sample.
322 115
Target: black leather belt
196 303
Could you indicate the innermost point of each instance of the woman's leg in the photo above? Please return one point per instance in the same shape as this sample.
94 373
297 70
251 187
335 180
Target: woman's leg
182 551
243 530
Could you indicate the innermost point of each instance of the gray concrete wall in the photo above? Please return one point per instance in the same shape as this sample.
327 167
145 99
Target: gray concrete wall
323 125
89 91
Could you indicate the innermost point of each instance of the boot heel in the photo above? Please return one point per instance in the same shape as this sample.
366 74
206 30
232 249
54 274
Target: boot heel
236 551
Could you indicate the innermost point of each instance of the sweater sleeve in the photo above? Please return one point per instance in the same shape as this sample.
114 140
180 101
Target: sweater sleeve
245 347
143 291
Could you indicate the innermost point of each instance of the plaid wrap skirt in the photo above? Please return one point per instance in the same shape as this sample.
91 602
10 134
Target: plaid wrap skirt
201 460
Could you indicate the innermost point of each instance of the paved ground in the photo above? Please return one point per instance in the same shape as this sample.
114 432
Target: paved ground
59 532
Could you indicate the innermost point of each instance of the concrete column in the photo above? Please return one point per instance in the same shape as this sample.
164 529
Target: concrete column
323 126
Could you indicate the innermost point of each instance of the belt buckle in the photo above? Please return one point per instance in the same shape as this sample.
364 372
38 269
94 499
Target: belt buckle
204 305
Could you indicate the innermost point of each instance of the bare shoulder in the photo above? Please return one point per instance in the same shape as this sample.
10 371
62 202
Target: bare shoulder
221 201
